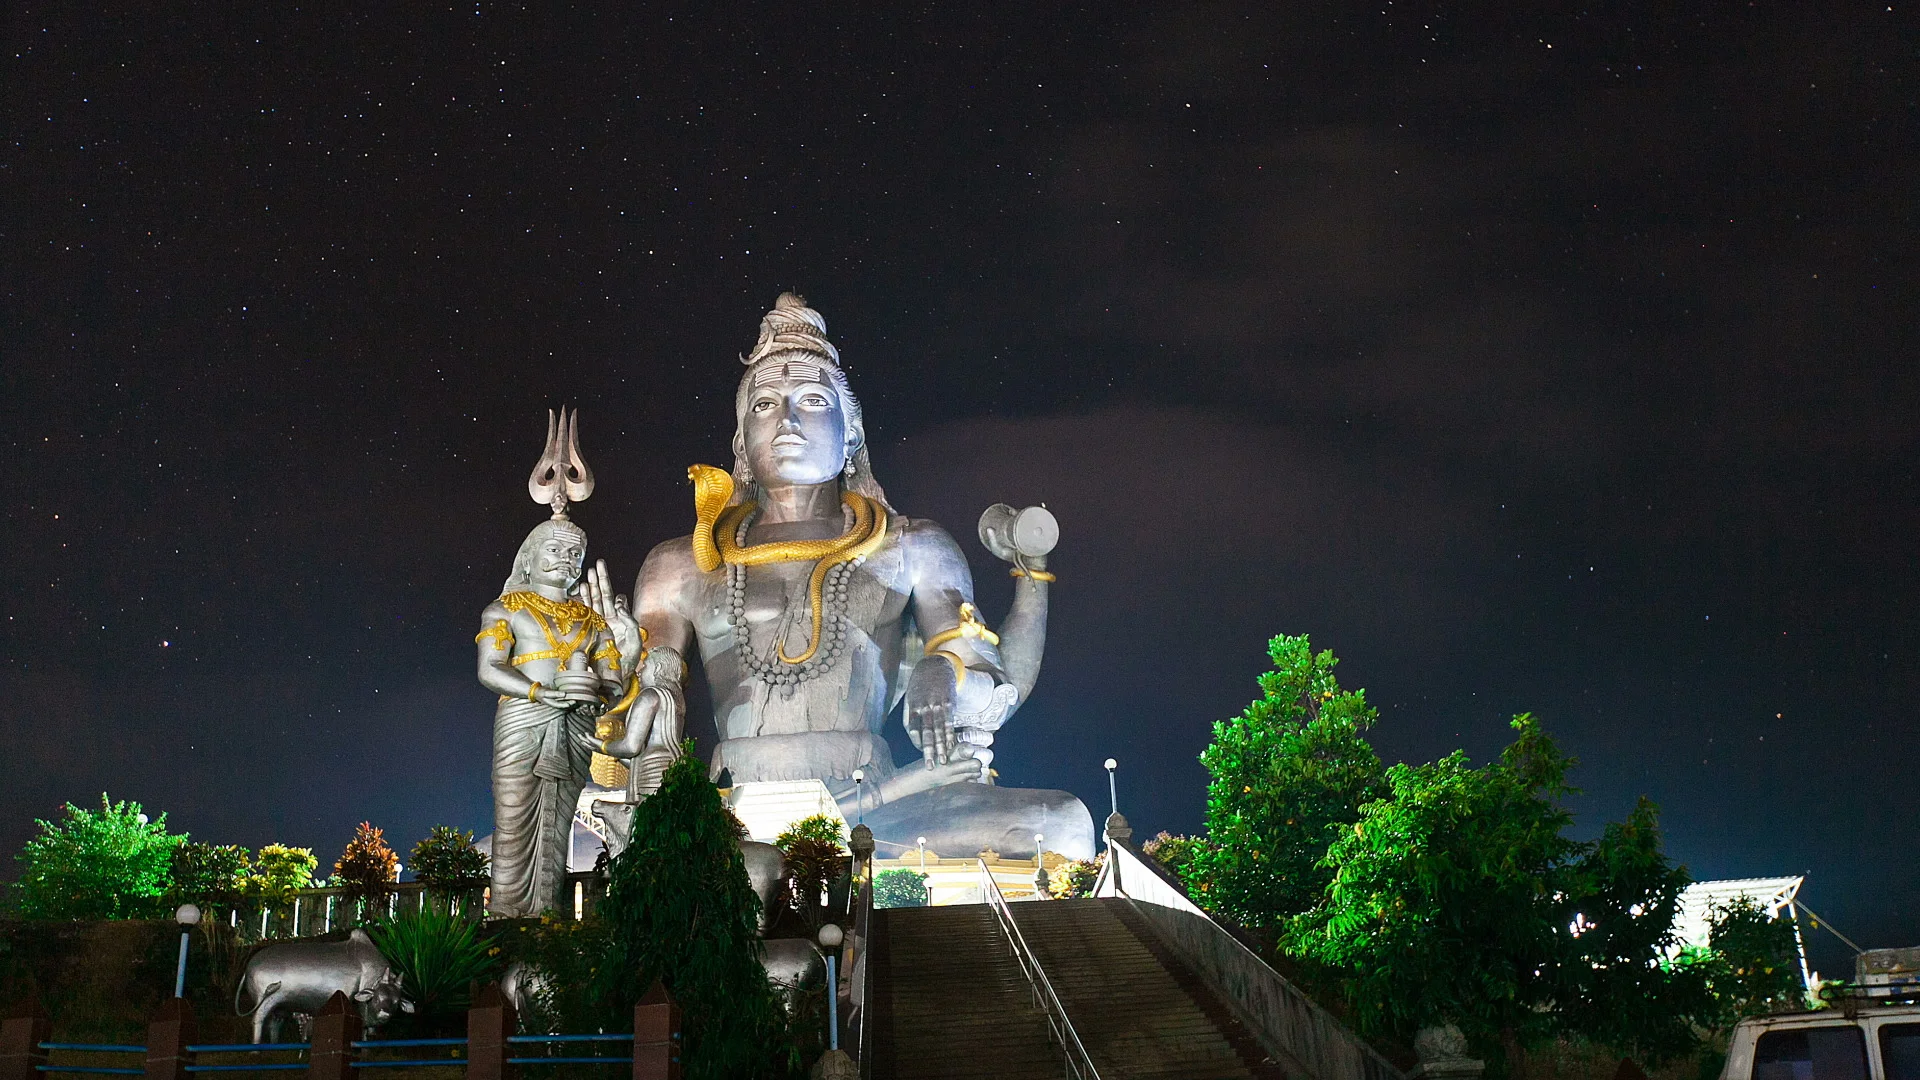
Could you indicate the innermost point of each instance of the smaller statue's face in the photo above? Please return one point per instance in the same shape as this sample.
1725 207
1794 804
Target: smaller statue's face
557 562
795 431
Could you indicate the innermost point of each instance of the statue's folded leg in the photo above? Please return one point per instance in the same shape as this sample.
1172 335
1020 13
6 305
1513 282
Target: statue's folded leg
960 820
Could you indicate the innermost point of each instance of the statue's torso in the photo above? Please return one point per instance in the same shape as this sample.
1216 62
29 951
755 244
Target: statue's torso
825 725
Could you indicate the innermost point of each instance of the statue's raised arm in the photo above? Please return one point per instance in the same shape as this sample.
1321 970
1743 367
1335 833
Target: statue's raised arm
815 607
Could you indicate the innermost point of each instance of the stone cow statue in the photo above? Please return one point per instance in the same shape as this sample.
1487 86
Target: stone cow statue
522 984
299 977
766 871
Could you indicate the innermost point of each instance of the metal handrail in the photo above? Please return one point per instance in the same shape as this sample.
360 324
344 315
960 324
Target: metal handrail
855 950
1079 1063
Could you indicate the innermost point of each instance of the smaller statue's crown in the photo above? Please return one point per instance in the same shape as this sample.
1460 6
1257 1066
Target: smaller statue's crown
792 326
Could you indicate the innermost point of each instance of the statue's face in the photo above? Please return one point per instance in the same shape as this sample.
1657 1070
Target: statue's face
795 430
557 561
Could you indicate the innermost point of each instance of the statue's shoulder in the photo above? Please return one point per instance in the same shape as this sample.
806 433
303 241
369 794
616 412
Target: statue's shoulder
923 533
494 612
930 550
673 553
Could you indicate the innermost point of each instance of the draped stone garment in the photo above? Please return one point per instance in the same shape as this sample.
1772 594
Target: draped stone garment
539 769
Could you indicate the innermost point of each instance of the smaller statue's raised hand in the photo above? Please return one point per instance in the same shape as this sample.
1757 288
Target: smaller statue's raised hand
597 587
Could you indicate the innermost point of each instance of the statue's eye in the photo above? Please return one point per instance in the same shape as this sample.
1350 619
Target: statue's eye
762 406
815 401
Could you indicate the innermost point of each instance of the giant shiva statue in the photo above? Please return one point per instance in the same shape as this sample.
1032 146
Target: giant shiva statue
817 608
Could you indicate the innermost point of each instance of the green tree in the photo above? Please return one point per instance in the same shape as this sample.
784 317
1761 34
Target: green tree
1617 904
1286 776
210 875
1753 961
279 871
447 859
1441 905
899 888
110 863
1458 898
680 909
368 867
815 858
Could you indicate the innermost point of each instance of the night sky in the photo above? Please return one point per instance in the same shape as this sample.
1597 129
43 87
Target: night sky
1550 359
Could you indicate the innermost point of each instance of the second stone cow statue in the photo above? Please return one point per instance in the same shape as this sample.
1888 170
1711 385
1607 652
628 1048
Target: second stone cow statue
299 977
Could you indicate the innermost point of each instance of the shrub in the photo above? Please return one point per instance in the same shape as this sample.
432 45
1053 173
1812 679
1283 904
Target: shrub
210 875
279 871
680 910
368 866
110 863
1075 879
567 954
1179 854
814 859
447 859
438 957
899 888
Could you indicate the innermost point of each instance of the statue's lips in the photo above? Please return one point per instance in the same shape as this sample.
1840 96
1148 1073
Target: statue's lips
789 442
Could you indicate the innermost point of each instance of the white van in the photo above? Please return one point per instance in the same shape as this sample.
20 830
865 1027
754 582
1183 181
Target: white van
1876 1042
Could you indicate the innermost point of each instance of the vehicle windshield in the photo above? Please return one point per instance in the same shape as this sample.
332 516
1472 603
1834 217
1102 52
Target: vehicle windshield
1900 1051
1822 1053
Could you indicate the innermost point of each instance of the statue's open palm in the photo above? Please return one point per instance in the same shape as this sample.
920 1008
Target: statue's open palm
597 589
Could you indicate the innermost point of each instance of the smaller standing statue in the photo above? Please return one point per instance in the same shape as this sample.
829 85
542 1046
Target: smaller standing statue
563 653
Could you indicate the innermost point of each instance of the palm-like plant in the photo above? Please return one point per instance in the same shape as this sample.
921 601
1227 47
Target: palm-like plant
437 956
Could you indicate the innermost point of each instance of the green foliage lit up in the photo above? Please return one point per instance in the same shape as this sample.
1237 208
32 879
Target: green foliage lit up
899 888
1458 898
438 957
210 875
680 909
1075 879
279 871
815 859
110 863
447 859
1286 776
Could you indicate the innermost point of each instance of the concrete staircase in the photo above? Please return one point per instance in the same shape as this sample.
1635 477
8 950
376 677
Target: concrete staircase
1139 1011
948 999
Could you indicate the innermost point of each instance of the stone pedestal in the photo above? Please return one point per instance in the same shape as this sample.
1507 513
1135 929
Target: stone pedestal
336 1027
834 1065
1442 1051
21 1034
168 1034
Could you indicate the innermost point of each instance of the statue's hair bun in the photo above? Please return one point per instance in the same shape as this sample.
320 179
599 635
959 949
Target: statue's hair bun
793 327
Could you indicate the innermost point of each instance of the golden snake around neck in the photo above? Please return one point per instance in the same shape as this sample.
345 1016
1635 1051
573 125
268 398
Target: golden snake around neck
714 543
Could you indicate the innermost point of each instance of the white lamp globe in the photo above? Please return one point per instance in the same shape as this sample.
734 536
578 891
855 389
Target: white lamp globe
187 914
831 936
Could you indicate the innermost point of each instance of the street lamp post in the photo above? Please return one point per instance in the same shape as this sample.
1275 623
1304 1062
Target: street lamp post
1113 791
859 801
187 915
830 939
924 885
1039 868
